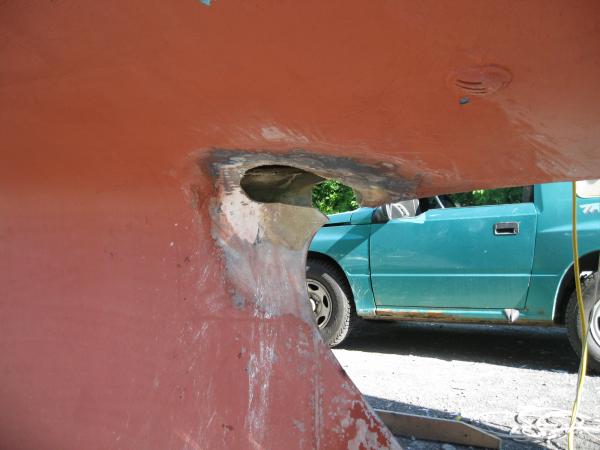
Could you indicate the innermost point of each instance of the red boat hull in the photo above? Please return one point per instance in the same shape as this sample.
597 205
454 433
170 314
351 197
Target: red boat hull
145 301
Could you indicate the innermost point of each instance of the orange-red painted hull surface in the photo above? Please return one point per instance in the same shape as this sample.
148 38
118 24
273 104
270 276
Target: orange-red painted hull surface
149 301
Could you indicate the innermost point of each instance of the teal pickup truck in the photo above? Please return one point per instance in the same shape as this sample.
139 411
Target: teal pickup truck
429 259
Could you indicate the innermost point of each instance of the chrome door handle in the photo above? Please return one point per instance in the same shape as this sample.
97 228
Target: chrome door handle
506 228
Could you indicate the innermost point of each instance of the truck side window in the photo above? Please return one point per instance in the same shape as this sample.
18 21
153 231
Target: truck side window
399 210
501 196
439 201
527 194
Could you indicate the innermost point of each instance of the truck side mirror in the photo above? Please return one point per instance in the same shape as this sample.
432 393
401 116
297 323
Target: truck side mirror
380 215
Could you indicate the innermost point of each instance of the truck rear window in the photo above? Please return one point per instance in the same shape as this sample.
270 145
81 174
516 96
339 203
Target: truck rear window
588 188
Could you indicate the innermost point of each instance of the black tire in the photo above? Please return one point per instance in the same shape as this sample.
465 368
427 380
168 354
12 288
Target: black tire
343 316
573 321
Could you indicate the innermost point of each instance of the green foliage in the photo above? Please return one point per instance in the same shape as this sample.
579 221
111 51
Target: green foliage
488 197
331 197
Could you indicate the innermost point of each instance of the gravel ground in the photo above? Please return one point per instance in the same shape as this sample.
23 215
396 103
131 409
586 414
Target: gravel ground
483 374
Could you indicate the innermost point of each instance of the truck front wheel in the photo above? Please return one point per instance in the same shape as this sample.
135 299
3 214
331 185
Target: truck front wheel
591 304
330 299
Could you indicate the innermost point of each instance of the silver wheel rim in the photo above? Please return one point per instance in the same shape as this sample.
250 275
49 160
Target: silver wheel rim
595 323
320 302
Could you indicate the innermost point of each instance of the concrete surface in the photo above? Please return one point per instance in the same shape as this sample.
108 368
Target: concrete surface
483 374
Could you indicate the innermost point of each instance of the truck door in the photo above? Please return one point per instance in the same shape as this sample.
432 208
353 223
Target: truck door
467 257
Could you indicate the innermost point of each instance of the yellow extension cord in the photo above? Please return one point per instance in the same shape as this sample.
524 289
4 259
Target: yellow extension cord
584 328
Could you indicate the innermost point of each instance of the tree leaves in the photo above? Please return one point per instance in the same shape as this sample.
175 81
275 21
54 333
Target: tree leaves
331 197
